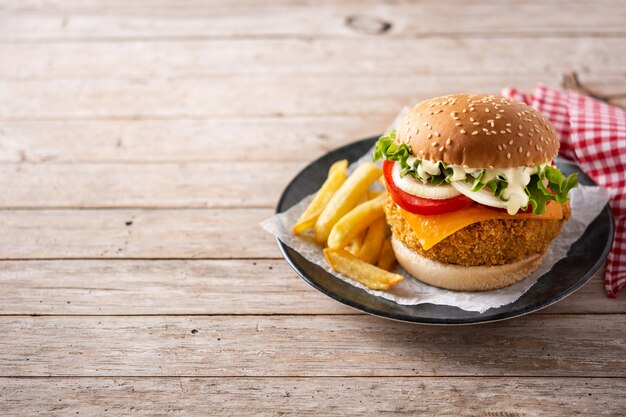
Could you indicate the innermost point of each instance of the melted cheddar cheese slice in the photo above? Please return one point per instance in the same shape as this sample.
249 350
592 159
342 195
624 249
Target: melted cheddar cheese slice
431 230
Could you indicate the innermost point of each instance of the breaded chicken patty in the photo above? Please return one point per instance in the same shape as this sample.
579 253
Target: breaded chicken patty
490 242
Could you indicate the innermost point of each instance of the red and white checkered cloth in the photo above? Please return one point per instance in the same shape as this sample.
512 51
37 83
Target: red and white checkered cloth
593 134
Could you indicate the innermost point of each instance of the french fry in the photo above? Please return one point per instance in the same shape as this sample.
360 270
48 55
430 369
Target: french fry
387 258
336 177
345 199
373 194
356 221
369 275
354 247
373 241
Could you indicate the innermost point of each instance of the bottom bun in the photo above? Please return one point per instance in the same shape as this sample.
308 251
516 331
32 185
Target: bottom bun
463 278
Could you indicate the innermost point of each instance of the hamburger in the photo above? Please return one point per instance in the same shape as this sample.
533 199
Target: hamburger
474 196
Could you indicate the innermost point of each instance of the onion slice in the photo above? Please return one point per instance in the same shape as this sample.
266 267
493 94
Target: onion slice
416 187
484 196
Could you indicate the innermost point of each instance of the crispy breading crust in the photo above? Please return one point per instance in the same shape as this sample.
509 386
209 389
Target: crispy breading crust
491 242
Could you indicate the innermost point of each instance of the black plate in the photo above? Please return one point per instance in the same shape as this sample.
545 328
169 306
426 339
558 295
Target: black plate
583 260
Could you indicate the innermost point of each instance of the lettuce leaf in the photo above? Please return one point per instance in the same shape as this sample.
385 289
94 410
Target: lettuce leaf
387 148
557 188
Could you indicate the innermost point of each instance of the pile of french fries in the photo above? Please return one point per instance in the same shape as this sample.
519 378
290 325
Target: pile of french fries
348 220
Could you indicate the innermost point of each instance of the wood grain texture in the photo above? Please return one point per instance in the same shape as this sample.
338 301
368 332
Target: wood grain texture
144 141
534 345
181 396
170 185
126 287
276 139
378 56
38 20
193 233
265 95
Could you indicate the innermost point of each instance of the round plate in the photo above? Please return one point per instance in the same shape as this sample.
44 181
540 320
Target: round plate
583 260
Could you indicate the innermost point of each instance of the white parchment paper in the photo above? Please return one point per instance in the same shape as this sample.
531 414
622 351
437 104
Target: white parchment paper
586 201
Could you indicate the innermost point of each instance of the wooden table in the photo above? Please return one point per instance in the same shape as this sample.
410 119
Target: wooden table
141 142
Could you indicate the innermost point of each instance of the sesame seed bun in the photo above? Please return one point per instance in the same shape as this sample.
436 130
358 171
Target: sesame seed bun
463 278
478 131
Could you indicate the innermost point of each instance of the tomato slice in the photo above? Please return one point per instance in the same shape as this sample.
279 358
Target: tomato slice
419 205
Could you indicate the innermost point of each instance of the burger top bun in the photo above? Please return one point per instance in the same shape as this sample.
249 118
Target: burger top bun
478 131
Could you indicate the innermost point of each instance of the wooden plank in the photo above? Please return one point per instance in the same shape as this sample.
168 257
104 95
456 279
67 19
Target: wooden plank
194 287
181 396
264 139
194 233
170 185
161 287
534 345
271 95
37 20
440 56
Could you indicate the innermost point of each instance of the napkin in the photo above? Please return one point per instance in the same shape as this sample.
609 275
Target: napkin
593 134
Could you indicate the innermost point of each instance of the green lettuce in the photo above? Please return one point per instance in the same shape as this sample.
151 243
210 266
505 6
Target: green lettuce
557 188
387 149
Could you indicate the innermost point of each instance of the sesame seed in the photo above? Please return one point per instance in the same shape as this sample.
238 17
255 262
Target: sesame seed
458 124
475 132
520 134
434 144
486 110
527 154
463 131
437 134
511 142
464 110
530 134
485 130
519 127
476 123
508 156
494 132
508 125
441 149
430 135
502 132
472 119
453 114
499 147
537 147
520 149
501 110
449 141
504 146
